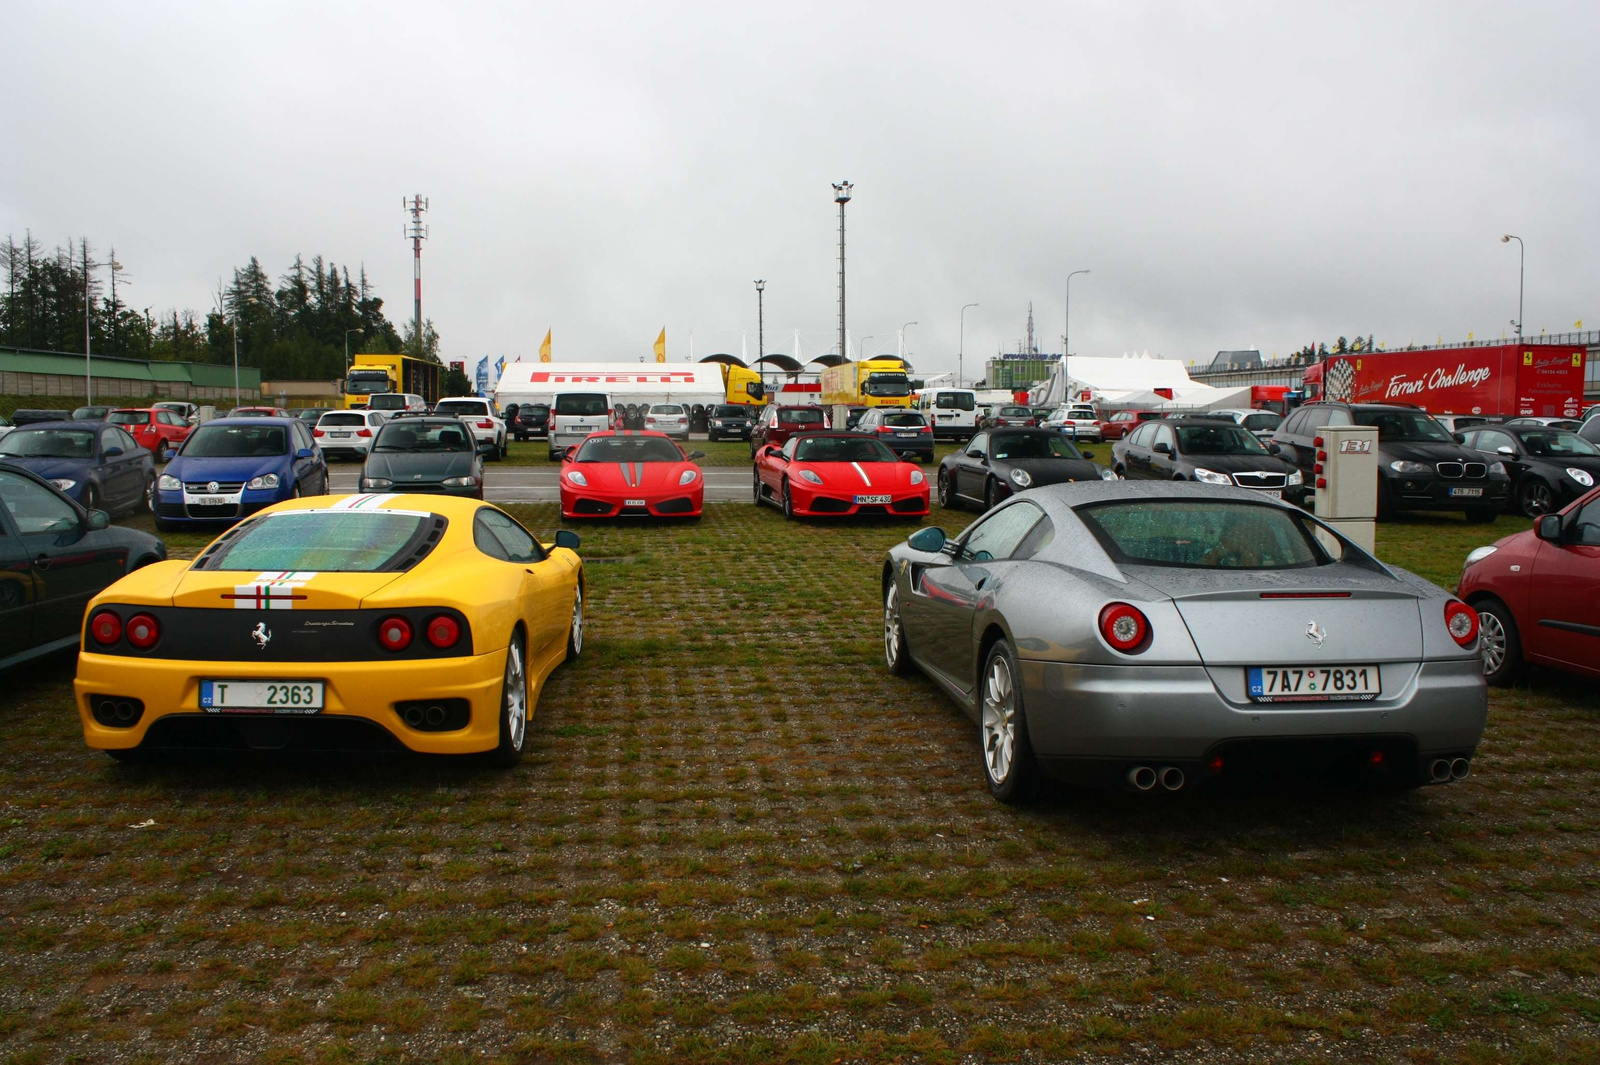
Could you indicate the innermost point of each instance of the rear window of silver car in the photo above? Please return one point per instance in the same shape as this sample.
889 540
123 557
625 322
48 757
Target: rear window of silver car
1201 534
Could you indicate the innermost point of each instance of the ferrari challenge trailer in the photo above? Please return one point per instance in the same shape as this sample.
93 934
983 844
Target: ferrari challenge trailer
627 383
1519 380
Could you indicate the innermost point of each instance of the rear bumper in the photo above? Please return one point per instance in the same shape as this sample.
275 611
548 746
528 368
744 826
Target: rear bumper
1180 713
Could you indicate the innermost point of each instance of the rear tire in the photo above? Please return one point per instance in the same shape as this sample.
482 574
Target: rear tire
1500 642
788 501
513 708
991 494
944 489
755 476
1008 764
575 626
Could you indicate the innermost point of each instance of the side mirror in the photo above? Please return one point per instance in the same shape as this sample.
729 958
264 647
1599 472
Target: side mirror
929 541
1549 528
1507 450
98 519
572 449
697 455
1460 438
567 538
1162 448
975 455
304 453
113 452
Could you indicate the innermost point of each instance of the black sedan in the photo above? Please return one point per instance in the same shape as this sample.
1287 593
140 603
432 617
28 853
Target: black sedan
98 466
1201 449
730 420
996 463
426 453
1549 468
54 557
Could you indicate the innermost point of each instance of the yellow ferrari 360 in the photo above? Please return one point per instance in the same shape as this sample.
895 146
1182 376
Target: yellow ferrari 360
336 622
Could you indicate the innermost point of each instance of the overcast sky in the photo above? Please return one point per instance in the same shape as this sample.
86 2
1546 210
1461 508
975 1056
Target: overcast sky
1234 175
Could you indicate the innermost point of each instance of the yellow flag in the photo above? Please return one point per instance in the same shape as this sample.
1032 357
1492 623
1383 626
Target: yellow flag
661 345
1578 324
544 349
1469 334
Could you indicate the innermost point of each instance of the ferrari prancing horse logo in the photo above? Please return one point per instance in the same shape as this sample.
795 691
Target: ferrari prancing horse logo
261 635
1315 634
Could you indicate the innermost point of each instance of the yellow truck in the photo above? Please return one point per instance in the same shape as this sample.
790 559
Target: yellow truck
370 374
869 383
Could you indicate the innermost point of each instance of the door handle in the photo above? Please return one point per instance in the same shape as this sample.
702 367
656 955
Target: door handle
979 585
42 562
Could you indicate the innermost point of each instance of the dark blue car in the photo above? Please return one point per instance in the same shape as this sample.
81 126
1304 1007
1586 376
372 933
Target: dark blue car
231 467
97 466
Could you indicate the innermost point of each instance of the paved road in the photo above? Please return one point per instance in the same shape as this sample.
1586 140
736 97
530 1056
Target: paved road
537 484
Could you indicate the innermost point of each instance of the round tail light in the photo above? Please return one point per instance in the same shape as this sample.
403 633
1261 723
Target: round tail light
395 634
106 628
1462 622
443 631
1124 628
143 631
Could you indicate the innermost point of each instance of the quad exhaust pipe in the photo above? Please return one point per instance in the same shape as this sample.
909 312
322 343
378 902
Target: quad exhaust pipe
1145 777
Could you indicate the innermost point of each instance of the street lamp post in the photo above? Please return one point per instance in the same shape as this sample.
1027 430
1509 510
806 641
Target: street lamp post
1521 262
1066 336
841 196
236 359
903 329
961 342
761 321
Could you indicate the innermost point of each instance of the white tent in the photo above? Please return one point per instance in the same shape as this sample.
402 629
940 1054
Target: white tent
625 382
1118 382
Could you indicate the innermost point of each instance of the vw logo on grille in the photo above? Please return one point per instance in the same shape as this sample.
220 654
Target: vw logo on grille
213 486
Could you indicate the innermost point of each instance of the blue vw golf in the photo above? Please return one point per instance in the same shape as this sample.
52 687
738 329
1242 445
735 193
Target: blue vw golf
232 467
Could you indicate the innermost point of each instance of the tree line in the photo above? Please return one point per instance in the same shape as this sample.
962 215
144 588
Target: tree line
293 328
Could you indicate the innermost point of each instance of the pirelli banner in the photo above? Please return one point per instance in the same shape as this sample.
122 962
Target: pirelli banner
625 382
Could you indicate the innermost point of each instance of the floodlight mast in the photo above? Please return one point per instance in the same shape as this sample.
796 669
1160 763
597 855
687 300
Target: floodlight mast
841 196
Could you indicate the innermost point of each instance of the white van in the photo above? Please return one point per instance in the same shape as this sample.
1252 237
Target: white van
953 412
393 401
574 415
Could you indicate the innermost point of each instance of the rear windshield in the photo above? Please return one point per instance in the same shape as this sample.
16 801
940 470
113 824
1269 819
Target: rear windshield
48 444
1016 412
955 401
1013 446
800 416
308 542
1404 425
581 404
461 406
1229 439
342 419
416 434
1201 534
129 417
1082 412
842 449
904 418
1261 422
387 402
628 449
218 440
666 408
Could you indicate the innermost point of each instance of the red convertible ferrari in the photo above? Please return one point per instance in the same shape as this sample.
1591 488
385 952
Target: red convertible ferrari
838 473
1537 594
623 473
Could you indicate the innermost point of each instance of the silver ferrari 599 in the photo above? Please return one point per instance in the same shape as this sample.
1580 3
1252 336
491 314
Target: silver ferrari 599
1161 634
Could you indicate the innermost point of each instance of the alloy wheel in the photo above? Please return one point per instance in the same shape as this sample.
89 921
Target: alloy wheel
575 631
1492 641
892 638
514 699
999 719
944 488
1536 500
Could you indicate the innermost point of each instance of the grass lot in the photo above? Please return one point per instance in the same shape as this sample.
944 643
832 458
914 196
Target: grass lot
738 839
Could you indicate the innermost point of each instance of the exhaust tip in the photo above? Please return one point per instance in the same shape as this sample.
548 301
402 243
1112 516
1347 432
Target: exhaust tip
1439 770
1142 777
435 716
1459 768
413 716
1172 778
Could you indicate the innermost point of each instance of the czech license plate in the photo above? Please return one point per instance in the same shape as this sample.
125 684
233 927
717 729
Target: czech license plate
1288 684
342 436
1465 493
633 502
261 696
208 501
1271 493
872 499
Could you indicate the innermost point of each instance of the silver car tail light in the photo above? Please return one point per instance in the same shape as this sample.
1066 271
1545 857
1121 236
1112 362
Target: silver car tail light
1125 628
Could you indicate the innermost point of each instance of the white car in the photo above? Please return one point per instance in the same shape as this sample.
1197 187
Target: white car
1261 423
482 417
669 418
348 433
1078 420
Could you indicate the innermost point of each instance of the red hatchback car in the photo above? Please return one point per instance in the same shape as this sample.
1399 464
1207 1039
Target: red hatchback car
154 428
1124 422
779 422
1537 594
